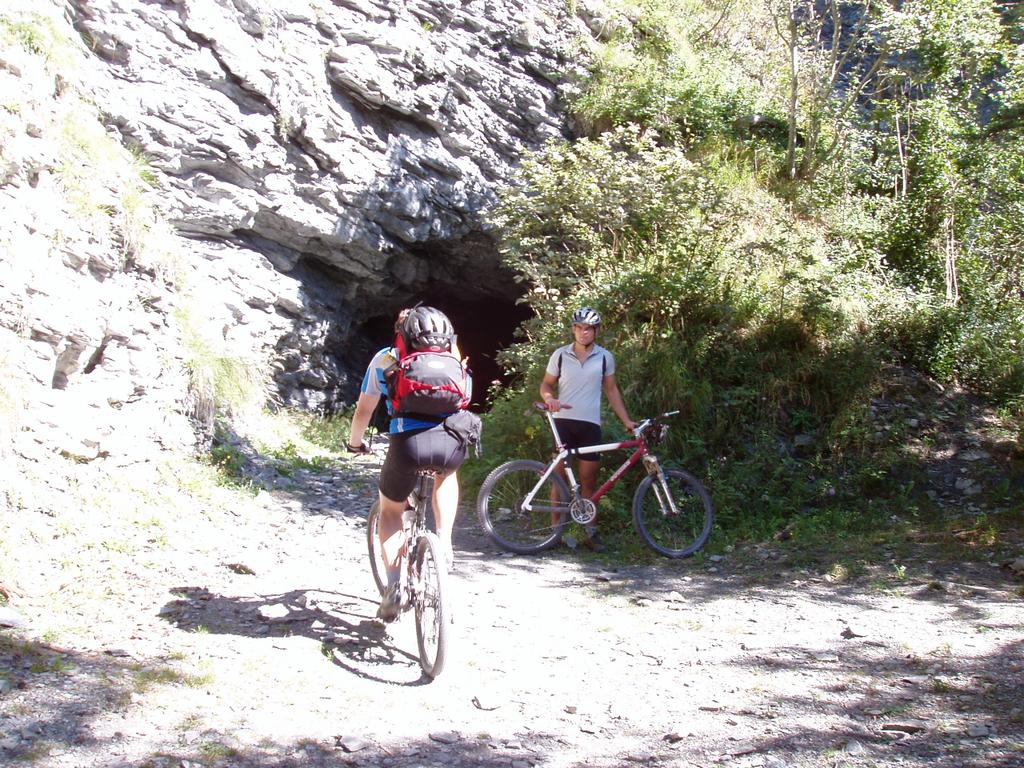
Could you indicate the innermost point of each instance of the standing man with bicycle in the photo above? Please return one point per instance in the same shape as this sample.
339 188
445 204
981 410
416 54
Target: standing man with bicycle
417 442
580 372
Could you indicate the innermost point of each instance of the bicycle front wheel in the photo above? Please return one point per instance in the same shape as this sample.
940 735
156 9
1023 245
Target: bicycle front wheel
377 566
430 601
673 534
501 511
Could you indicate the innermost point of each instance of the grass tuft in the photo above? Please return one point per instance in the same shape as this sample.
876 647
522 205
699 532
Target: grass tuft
223 381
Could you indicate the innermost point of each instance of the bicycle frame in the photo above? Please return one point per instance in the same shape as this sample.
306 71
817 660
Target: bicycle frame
414 521
420 587
638 443
421 492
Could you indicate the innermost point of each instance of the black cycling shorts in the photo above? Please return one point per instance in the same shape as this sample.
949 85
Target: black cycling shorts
409 452
576 434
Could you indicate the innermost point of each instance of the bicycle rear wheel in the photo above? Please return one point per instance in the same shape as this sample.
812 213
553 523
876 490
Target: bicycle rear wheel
377 566
430 601
673 535
500 507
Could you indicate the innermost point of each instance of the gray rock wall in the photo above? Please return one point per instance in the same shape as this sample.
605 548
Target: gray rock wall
318 162
367 136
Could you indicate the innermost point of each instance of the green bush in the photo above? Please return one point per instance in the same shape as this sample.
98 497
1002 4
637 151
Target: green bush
984 350
715 303
768 310
681 105
663 71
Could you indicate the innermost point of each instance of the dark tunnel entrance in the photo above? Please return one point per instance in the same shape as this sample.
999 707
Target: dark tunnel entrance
484 328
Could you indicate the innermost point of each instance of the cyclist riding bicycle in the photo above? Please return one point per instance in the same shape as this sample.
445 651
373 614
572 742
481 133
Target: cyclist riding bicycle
580 372
417 442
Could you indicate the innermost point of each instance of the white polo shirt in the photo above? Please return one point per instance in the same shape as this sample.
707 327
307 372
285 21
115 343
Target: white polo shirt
580 384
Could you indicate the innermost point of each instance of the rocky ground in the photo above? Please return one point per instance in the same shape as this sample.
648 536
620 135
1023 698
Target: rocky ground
238 630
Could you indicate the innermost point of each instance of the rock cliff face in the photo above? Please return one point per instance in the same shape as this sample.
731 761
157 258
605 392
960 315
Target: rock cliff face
356 140
355 133
319 162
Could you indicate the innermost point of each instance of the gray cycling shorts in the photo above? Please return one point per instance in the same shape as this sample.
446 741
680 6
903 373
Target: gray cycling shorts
434 449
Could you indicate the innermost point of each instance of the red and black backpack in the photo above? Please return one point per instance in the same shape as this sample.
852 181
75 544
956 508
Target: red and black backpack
428 379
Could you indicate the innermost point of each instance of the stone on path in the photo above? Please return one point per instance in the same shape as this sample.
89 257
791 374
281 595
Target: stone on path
445 737
978 730
276 611
352 743
11 618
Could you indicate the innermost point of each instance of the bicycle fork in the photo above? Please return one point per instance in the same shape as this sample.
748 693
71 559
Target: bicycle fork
661 490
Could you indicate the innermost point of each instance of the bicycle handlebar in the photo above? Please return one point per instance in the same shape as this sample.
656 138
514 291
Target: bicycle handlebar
544 407
638 430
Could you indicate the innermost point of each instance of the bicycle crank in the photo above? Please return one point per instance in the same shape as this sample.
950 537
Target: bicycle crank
583 511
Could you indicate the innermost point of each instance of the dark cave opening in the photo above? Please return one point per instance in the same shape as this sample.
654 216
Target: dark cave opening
482 304
484 328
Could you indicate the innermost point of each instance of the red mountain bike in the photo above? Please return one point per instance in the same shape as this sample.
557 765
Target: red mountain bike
525 505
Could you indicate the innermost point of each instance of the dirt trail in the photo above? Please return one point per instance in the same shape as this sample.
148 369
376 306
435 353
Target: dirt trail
247 638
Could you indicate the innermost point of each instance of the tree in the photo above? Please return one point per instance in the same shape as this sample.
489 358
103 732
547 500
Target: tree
934 95
834 55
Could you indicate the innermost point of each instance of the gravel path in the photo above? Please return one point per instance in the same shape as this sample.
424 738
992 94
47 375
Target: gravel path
221 632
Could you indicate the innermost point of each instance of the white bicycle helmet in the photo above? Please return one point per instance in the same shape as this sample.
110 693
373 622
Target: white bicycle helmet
586 316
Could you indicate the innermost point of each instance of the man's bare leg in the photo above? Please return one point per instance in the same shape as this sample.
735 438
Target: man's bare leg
588 484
